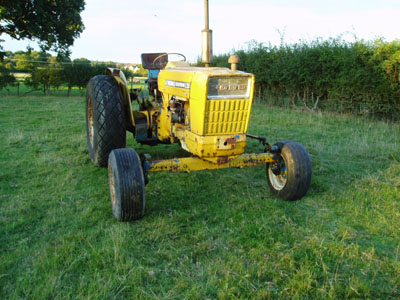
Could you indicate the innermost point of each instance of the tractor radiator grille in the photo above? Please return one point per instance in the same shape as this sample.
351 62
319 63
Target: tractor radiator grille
226 116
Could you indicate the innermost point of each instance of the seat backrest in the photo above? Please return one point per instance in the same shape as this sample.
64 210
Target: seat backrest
148 61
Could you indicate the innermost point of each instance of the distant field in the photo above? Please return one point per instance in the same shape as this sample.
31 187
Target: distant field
21 76
206 235
62 91
26 91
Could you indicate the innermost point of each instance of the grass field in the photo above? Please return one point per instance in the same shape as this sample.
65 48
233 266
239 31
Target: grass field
206 235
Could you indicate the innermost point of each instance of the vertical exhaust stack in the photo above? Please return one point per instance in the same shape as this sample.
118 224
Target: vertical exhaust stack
206 44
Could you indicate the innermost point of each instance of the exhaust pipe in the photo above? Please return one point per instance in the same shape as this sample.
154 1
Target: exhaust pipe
206 44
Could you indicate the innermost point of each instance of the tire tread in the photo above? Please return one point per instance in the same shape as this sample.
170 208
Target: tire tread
299 171
108 116
129 183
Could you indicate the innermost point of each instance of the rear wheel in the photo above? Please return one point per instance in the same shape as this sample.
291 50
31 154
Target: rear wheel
126 180
105 118
290 176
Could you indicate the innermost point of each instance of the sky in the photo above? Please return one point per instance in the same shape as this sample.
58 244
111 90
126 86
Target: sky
120 30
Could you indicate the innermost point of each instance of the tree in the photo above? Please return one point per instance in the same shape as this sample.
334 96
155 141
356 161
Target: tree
44 79
6 78
128 73
387 56
23 62
57 62
82 60
54 23
8 61
79 73
141 72
28 61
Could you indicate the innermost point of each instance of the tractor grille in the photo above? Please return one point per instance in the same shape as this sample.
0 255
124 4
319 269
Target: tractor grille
226 116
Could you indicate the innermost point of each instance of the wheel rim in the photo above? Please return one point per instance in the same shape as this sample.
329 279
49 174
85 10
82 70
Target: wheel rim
112 186
90 121
278 181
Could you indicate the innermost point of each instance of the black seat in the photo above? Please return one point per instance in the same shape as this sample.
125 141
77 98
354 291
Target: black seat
148 61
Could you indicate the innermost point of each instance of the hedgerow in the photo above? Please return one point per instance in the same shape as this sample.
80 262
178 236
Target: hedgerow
360 77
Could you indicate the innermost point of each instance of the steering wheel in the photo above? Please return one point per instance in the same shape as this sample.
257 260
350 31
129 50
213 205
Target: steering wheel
166 54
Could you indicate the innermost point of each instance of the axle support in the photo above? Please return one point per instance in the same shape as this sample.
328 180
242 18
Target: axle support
188 164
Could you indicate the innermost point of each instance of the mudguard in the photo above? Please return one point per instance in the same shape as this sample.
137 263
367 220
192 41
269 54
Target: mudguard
119 77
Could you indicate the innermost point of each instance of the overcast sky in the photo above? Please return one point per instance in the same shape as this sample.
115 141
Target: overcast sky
120 30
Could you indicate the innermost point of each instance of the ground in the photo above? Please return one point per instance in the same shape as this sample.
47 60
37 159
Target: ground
210 234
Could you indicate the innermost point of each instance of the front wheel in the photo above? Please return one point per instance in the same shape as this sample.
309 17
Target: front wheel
125 176
290 176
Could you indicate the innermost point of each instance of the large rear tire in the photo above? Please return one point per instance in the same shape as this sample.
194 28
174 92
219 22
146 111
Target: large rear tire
289 177
105 118
125 175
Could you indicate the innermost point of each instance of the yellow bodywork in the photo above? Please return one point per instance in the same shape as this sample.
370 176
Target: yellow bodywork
213 128
188 164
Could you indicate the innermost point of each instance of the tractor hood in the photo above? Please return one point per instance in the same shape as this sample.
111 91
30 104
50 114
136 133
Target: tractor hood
182 80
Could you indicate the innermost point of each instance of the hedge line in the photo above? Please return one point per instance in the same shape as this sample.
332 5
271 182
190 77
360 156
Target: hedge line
360 77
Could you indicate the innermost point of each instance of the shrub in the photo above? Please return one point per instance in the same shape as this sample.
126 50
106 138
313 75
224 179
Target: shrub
360 77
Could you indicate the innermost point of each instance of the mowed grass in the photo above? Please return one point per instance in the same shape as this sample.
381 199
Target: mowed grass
206 235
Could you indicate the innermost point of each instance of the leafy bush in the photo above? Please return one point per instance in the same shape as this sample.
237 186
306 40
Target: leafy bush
359 77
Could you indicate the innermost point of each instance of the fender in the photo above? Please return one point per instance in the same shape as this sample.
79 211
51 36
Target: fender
119 77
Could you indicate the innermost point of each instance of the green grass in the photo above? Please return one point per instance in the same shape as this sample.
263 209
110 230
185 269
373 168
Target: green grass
205 235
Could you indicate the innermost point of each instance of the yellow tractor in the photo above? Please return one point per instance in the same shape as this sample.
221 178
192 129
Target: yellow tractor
204 109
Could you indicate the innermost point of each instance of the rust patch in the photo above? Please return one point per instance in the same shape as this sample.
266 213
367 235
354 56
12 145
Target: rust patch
226 144
231 142
250 161
174 169
222 160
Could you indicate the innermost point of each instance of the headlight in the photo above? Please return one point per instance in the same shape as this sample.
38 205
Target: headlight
228 87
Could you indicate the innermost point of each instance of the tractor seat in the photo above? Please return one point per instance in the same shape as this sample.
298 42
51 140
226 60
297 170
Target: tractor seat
148 61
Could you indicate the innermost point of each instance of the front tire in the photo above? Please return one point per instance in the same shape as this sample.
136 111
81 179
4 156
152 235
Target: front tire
126 180
289 177
105 118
